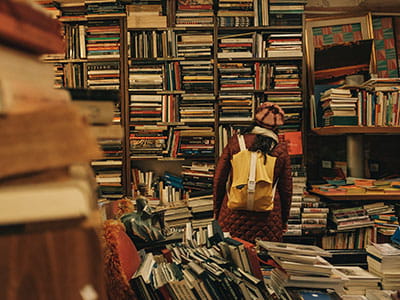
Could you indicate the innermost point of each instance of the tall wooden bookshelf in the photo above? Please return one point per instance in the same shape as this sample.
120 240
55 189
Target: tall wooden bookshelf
222 82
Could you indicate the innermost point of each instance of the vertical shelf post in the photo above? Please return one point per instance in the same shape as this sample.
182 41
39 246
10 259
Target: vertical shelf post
355 155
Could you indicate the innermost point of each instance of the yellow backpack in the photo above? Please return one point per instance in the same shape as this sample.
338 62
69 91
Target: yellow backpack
251 182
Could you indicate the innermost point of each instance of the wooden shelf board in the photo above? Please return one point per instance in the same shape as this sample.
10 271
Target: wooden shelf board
354 197
261 28
335 130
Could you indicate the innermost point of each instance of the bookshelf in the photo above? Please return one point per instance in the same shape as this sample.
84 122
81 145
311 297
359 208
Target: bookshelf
184 88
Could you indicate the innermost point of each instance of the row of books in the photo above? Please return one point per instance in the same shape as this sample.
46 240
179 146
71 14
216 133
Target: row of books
368 105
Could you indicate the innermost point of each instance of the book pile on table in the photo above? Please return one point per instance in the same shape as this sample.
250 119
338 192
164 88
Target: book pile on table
384 261
301 266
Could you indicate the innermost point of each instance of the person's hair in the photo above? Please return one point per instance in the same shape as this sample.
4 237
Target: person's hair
264 144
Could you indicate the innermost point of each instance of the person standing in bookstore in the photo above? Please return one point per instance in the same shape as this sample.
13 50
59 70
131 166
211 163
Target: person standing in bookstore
261 136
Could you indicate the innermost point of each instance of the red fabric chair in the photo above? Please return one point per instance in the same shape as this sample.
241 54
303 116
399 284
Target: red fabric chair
121 260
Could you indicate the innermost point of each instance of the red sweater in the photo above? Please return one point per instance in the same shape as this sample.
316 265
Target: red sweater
250 225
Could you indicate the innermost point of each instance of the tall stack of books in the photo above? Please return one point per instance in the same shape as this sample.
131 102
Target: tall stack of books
46 143
383 261
314 215
236 76
294 221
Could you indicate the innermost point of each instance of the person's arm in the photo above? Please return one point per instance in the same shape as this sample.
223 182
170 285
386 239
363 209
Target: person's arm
285 186
221 175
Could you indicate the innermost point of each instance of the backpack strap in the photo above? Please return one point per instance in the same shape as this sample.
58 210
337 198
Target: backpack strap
251 183
242 143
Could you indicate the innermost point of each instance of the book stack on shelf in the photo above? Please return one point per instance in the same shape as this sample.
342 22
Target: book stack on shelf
146 15
284 45
194 13
104 8
383 261
350 218
235 14
72 11
294 221
339 107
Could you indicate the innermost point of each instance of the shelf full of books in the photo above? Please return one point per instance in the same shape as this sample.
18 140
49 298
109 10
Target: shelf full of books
190 74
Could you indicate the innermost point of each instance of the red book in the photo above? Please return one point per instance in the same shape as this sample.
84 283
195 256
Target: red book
252 256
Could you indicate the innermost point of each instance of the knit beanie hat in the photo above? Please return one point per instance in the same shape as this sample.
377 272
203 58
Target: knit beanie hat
269 115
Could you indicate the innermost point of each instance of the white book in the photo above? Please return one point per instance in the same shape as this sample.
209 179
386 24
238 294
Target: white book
71 198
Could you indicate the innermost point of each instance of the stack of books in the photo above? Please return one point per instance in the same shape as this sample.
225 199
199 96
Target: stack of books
350 218
286 12
236 106
385 220
339 107
197 76
146 77
145 16
102 75
359 280
195 142
284 45
47 144
384 261
294 221
194 44
103 39
236 76
148 141
232 13
194 13
301 266
236 46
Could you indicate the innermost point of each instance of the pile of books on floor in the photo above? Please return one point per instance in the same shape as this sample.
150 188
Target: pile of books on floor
384 261
205 265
